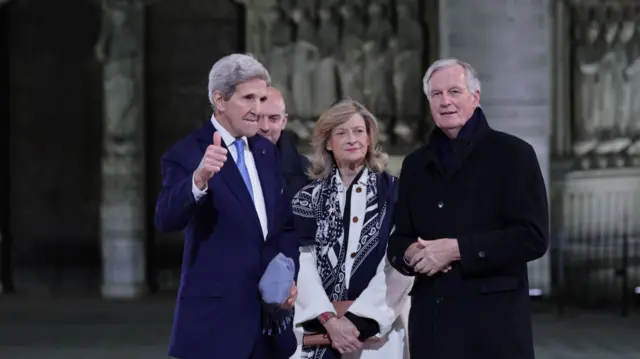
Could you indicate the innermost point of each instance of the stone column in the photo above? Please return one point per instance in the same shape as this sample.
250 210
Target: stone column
509 44
121 50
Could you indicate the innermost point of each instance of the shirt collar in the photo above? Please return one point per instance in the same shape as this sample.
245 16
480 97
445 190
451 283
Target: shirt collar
361 180
227 138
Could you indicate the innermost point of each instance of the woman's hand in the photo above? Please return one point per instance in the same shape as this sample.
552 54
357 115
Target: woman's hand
343 335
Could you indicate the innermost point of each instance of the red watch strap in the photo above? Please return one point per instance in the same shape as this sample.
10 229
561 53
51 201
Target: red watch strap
324 317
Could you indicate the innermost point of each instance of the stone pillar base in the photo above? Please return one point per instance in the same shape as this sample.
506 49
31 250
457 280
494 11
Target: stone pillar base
123 259
123 291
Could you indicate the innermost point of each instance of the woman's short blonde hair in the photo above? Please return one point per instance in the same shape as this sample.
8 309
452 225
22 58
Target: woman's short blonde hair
322 161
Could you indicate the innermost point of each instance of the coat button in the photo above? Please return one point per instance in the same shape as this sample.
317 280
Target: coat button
355 219
358 189
439 300
481 254
353 254
440 204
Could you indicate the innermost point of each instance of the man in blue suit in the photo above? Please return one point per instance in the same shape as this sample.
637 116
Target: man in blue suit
223 186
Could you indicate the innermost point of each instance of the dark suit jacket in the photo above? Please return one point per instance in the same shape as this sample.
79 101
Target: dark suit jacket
492 198
218 310
294 165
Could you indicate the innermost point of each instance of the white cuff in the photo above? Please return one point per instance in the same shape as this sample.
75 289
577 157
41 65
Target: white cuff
312 299
197 193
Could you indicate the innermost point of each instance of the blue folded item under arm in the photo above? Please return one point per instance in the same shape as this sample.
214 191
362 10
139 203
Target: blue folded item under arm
275 287
277 280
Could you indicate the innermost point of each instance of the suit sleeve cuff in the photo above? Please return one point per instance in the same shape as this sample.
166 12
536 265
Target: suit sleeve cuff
312 299
396 252
469 254
197 193
366 326
403 266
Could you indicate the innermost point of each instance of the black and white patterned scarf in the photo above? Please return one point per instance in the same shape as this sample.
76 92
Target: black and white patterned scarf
320 201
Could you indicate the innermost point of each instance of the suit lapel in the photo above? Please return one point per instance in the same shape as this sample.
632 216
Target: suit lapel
231 175
460 155
463 146
431 158
270 189
229 172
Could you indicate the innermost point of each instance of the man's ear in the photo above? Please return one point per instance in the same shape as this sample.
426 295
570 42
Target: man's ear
476 98
284 120
218 101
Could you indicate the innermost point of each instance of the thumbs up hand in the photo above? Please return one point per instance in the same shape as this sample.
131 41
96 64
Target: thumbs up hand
212 161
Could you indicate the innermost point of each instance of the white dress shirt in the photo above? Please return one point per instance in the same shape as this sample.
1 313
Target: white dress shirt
258 198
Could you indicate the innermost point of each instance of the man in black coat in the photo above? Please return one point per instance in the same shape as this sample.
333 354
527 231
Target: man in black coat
472 211
272 121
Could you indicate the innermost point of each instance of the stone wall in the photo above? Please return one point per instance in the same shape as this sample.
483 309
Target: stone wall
56 113
55 128
595 218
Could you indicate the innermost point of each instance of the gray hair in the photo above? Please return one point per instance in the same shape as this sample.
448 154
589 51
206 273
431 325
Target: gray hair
473 83
232 70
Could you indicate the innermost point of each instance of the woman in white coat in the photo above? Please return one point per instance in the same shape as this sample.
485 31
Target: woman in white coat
344 218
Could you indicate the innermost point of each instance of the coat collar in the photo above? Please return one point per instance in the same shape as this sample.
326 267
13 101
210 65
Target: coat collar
471 135
292 161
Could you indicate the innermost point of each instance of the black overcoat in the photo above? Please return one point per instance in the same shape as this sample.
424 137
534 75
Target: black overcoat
294 164
492 198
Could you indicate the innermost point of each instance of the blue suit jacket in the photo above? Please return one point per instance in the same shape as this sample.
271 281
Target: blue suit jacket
218 310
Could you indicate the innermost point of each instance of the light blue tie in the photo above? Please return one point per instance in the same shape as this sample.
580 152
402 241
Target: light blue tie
242 166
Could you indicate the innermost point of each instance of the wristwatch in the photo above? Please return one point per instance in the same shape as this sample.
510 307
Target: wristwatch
324 317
